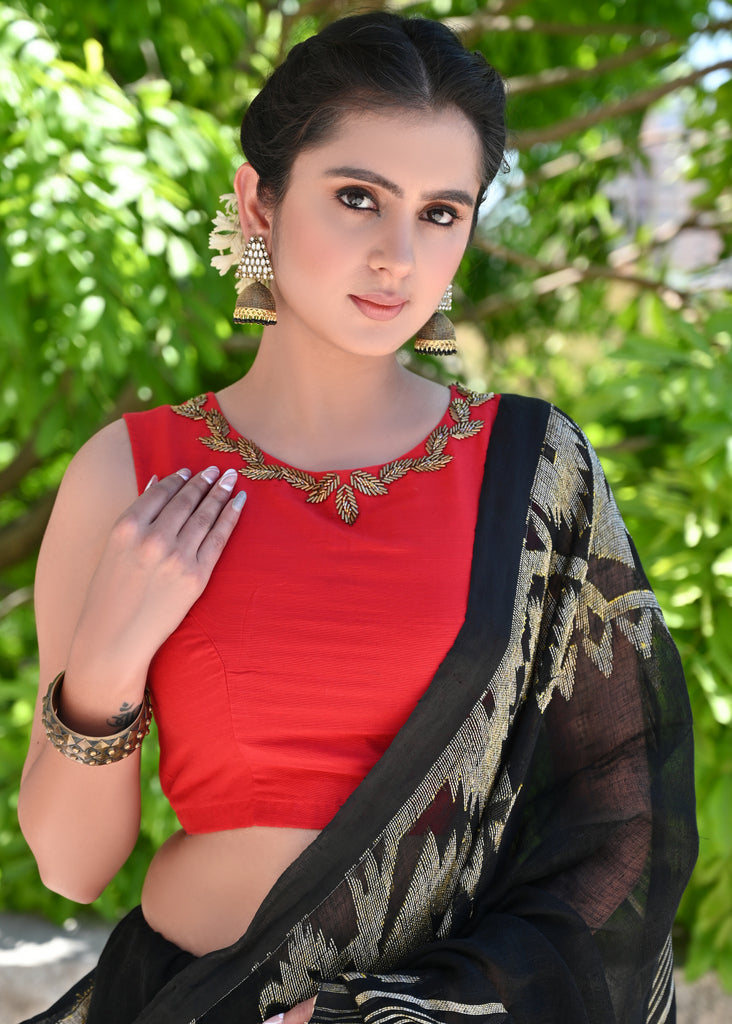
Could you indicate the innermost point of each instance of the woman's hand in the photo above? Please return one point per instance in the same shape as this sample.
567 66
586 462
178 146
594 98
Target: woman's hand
156 563
299 1014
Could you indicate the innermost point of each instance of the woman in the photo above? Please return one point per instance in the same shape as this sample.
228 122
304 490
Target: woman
420 717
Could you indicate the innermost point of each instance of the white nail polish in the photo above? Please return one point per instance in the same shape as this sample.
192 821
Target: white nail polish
228 480
151 481
276 1019
210 474
238 502
185 474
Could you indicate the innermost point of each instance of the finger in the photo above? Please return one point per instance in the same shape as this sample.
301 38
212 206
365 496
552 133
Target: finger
158 493
181 510
215 540
203 516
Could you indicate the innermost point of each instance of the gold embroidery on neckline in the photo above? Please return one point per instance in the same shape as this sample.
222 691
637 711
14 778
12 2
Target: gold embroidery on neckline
319 490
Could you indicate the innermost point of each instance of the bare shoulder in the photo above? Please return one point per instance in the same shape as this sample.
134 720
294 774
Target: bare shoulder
103 469
97 487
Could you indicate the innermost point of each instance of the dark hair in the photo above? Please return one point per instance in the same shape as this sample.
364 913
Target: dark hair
365 62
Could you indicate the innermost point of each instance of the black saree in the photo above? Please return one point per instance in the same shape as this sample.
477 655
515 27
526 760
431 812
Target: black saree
519 852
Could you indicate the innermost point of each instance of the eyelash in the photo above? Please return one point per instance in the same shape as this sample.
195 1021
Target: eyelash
342 193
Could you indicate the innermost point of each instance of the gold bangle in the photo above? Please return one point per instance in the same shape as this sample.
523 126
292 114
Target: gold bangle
93 749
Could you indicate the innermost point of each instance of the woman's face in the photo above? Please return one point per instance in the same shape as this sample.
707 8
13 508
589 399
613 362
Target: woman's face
373 226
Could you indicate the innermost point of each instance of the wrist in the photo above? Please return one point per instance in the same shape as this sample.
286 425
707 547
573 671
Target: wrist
98 701
94 748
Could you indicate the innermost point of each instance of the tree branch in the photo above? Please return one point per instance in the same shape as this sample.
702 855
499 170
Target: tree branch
471 28
571 162
702 220
556 276
14 600
20 539
522 84
504 6
23 463
608 111
714 26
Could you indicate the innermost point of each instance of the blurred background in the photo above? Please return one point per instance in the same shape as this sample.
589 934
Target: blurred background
599 279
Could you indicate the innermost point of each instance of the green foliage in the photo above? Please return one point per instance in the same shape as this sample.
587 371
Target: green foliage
673 476
119 121
105 197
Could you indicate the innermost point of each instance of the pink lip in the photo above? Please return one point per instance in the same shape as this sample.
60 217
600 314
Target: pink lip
378 306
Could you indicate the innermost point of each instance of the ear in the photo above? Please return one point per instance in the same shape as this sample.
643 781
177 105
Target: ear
255 218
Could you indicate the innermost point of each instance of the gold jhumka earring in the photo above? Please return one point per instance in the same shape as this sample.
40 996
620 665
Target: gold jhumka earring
437 336
255 303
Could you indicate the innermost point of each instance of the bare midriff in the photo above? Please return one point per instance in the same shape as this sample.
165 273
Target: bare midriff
202 891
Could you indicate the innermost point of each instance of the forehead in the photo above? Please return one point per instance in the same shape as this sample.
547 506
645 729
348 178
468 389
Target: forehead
429 149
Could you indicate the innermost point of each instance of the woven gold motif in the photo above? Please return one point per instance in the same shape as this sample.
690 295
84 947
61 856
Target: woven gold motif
360 481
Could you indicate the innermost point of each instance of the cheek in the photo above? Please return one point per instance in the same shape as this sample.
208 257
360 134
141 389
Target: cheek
309 243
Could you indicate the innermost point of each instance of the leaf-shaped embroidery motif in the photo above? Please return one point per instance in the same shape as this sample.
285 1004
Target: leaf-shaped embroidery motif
474 397
431 463
217 444
249 451
318 491
459 409
396 470
469 429
437 440
297 478
216 423
324 488
346 504
367 483
260 472
191 408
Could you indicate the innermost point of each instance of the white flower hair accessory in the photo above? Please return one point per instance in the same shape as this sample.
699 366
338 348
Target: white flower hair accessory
255 303
227 235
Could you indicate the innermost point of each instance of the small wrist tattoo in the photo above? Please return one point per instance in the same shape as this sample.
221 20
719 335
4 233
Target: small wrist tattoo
125 717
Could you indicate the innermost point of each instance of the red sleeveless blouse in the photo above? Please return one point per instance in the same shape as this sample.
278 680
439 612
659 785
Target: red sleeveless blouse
323 623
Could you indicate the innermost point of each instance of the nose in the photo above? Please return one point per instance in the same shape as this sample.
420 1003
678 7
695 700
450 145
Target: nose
393 249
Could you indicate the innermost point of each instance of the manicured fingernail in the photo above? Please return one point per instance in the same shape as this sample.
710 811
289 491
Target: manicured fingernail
210 474
238 502
276 1019
153 479
228 480
184 473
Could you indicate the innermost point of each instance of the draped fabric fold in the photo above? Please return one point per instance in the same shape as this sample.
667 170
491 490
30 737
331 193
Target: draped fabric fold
519 852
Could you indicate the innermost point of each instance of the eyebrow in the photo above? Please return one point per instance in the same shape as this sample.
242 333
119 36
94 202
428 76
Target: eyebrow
454 195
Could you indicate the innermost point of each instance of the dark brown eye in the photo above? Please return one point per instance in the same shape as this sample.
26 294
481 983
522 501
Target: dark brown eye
442 215
356 199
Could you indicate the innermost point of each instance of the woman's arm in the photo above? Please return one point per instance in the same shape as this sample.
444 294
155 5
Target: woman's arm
116 574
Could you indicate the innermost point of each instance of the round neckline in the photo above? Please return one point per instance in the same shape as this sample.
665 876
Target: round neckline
374 468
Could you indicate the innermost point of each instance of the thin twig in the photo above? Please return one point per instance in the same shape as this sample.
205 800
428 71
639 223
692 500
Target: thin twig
23 595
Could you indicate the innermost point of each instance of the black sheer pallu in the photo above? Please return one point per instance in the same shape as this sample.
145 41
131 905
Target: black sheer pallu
519 852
